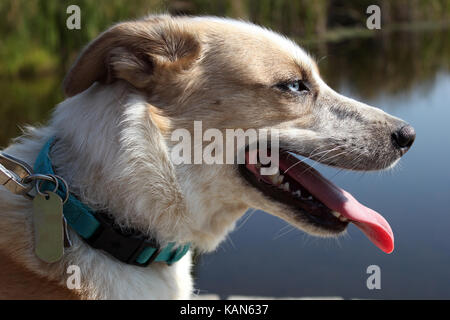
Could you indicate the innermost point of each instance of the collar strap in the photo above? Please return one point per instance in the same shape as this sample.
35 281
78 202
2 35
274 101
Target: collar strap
100 231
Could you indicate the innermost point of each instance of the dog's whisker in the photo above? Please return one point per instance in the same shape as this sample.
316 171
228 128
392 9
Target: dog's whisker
297 163
283 228
312 155
284 233
249 215
300 161
231 242
317 162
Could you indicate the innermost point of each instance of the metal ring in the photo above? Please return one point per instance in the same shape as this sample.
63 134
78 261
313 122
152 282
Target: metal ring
38 176
41 177
65 185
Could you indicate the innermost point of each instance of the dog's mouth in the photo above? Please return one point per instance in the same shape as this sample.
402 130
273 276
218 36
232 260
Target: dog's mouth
316 200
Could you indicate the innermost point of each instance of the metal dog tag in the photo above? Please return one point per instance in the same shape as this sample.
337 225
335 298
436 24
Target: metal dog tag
48 227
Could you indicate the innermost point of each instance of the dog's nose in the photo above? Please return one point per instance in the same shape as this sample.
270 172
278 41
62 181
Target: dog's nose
404 137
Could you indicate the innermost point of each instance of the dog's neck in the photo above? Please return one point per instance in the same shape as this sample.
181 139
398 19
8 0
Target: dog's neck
109 166
112 157
118 160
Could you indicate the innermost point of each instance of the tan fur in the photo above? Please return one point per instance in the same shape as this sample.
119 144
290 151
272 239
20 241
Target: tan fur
127 92
17 282
162 122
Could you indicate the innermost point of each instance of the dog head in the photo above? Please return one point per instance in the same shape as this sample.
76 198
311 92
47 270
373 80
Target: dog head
224 74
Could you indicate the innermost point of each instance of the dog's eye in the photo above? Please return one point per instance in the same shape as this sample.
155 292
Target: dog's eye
294 86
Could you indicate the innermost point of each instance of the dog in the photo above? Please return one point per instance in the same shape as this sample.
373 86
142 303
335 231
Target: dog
128 91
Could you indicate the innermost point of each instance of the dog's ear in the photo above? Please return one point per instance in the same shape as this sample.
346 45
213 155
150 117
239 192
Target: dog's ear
133 51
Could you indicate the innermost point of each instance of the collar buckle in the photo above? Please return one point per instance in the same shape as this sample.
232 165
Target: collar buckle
12 174
124 245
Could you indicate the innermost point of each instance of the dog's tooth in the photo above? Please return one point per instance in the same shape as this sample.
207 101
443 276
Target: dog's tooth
297 193
274 179
280 179
343 219
336 214
286 186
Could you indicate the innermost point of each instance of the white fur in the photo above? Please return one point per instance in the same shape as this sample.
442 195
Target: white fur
92 116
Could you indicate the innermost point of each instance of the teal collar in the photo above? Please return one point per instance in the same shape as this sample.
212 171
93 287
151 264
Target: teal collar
99 231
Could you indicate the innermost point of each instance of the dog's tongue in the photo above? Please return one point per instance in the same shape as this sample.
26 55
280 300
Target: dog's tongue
371 223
